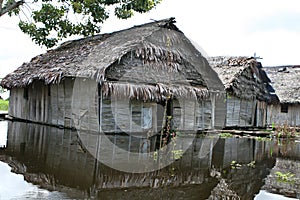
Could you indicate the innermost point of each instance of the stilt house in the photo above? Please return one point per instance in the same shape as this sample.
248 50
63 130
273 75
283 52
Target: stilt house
132 80
285 105
246 86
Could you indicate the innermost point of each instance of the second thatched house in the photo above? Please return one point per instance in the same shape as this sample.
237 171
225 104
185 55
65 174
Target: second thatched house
127 81
246 87
285 106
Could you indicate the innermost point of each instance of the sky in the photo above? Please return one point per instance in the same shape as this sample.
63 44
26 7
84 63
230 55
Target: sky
269 28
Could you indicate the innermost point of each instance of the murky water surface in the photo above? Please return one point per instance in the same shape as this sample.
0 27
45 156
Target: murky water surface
41 162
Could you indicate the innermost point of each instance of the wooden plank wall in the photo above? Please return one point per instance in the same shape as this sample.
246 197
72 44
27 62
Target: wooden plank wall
203 115
13 102
123 116
119 115
60 111
107 121
58 105
192 115
177 115
292 118
261 114
85 105
189 114
240 112
45 104
219 109
31 103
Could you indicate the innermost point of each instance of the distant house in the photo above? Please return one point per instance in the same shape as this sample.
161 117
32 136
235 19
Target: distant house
285 104
127 81
246 86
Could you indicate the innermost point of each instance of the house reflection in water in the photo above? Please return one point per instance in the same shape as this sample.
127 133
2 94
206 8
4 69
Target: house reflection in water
56 158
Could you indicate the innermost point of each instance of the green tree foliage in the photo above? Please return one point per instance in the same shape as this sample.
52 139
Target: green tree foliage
52 20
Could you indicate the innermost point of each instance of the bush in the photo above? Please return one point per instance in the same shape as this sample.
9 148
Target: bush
3 105
285 131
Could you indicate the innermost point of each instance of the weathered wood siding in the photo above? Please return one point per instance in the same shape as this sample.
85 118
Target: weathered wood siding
61 102
245 113
128 116
240 112
85 105
261 114
78 104
219 102
291 118
203 115
42 103
31 103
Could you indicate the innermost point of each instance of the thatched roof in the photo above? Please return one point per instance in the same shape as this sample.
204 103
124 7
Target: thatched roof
156 92
241 76
159 42
286 82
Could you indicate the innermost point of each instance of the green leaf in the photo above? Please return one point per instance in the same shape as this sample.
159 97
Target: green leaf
52 21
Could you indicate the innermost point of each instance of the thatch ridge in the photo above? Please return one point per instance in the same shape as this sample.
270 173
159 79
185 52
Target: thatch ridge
241 76
286 82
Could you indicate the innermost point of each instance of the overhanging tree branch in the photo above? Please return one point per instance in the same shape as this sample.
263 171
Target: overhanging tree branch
10 7
49 22
1 3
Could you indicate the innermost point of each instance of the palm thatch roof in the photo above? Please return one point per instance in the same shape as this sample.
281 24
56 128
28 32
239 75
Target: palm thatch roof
286 82
242 76
160 44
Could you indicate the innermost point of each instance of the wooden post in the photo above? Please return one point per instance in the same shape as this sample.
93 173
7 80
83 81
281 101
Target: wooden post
213 104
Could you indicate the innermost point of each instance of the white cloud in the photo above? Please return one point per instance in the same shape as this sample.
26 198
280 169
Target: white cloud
15 47
230 27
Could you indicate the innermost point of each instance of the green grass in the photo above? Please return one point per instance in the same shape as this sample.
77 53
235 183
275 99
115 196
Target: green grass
3 105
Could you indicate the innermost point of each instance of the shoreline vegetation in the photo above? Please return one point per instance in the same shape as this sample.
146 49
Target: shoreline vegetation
4 105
